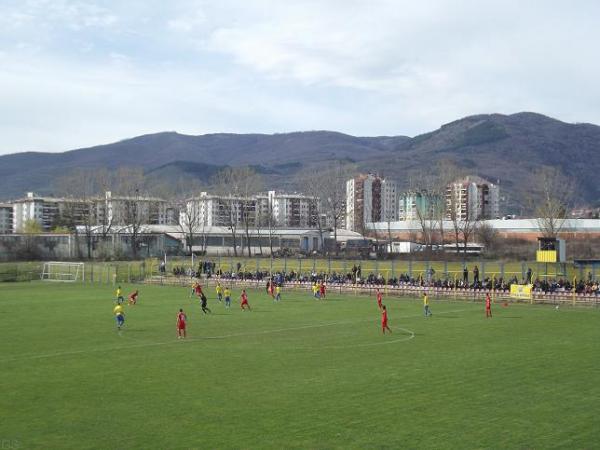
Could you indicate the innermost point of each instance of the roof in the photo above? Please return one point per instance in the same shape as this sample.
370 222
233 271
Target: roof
94 198
174 231
177 232
511 225
139 199
40 198
346 235
473 179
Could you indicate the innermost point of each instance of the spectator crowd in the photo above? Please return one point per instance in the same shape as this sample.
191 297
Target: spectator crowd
587 286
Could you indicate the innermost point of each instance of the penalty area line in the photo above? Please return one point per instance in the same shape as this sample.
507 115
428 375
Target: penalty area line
410 335
225 336
171 342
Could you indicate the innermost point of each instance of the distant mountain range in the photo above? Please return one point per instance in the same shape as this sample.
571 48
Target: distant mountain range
502 148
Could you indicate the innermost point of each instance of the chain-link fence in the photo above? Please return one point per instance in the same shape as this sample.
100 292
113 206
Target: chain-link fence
136 271
93 272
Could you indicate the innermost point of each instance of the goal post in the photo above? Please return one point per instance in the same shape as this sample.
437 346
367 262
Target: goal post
63 271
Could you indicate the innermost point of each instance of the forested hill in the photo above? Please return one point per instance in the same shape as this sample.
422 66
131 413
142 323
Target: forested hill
504 148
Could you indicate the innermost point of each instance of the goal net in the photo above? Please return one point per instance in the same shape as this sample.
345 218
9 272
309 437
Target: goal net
63 271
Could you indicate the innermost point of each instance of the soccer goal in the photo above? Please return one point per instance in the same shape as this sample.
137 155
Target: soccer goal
63 271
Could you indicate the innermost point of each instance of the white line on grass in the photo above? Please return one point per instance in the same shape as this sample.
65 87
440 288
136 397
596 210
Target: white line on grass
411 335
226 336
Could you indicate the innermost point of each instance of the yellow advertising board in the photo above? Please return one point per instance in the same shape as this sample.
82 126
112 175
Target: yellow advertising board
546 256
522 291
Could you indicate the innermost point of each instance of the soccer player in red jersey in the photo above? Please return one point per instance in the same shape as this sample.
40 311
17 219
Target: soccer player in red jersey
133 297
488 306
244 300
322 289
198 289
379 299
384 320
181 321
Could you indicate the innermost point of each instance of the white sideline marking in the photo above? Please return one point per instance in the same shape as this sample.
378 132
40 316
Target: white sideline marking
226 336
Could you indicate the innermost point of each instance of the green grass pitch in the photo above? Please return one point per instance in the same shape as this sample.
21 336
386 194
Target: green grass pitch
298 374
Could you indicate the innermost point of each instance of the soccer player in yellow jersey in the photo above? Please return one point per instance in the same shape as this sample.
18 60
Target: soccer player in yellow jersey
193 289
426 309
119 316
315 289
277 293
219 290
227 293
120 298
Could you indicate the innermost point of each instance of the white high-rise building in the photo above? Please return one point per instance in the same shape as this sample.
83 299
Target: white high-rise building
48 211
370 198
286 210
389 204
119 210
473 198
217 210
292 210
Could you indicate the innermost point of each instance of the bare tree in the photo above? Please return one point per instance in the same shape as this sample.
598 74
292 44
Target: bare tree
464 221
553 194
227 206
460 208
191 222
333 193
487 236
236 186
311 183
81 189
28 248
469 228
389 221
427 191
105 221
250 183
423 195
452 213
134 210
187 207
447 172
266 219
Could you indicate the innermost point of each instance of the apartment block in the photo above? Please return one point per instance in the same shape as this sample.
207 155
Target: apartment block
215 210
370 198
6 218
415 205
292 210
49 212
472 198
123 210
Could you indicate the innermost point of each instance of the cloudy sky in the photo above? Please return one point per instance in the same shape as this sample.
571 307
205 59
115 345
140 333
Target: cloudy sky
77 73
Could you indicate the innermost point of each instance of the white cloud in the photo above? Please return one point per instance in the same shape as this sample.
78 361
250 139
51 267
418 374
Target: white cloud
188 23
77 73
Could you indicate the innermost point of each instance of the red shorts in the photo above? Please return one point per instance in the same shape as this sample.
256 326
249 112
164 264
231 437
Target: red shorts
384 324
181 326
244 302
